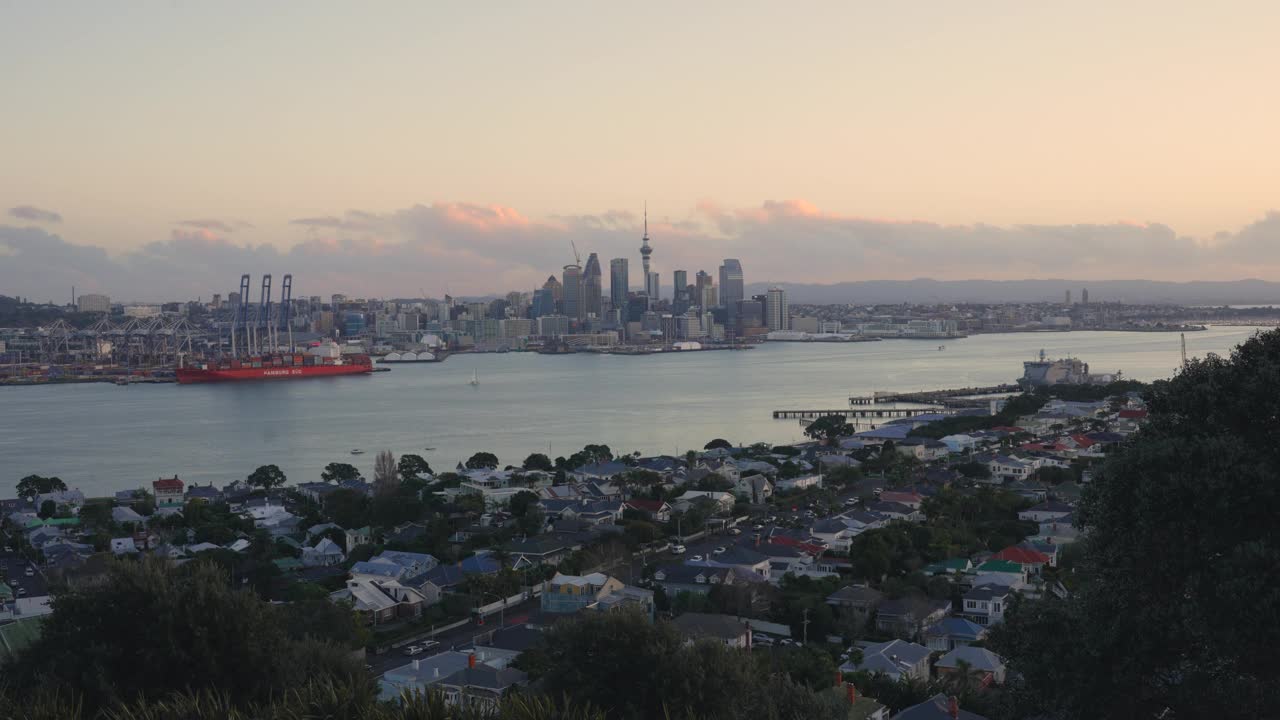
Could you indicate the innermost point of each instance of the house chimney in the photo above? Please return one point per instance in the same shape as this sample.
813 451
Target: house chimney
953 707
471 660
851 691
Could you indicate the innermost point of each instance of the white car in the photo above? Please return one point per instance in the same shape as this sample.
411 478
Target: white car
30 572
413 650
429 645
720 550
696 558
735 531
677 549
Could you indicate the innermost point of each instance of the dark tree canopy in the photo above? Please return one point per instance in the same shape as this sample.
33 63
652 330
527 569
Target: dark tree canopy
267 477
538 461
413 467
829 427
1180 603
33 485
339 472
150 629
482 461
718 444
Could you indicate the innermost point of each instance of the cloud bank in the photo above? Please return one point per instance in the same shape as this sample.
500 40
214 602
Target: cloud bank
35 214
469 249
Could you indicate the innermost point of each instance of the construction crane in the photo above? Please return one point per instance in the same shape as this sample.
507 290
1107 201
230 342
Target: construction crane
577 259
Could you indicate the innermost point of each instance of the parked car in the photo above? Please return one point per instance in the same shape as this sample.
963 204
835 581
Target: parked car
677 549
413 650
30 572
757 526
696 558
429 645
720 550
735 531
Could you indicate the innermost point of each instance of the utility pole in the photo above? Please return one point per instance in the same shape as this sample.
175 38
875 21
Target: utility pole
805 624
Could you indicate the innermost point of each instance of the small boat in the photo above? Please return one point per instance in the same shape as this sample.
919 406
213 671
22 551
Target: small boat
942 347
475 378
429 449
357 451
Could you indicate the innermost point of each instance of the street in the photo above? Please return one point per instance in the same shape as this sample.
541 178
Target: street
457 638
14 569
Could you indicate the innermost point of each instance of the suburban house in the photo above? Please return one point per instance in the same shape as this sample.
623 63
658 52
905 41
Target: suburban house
909 498
1001 572
675 579
924 449
325 553
1031 559
168 492
358 536
755 487
857 601
571 593
595 512
656 510
731 631
895 511
745 561
950 566
721 501
909 616
273 518
1005 468
897 659
938 707
538 551
379 601
986 604
952 632
835 533
1058 532
421 674
1048 510
207 493
798 483
480 686
974 659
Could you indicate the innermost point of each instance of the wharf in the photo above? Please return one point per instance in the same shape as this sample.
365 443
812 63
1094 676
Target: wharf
859 413
958 397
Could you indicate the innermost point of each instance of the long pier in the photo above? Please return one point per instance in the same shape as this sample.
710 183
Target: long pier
932 397
857 413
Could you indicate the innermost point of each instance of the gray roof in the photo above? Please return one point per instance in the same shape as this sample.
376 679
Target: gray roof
978 659
700 625
988 592
855 594
935 708
891 658
484 676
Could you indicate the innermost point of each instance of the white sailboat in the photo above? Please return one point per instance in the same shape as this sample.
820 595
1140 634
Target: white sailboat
475 377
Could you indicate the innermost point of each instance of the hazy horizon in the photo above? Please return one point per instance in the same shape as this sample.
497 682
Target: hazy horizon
151 148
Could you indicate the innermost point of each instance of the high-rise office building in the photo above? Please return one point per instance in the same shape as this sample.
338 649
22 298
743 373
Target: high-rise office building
544 303
90 303
591 287
731 285
1068 296
517 304
572 300
619 281
702 285
653 289
776 314
1084 296
556 289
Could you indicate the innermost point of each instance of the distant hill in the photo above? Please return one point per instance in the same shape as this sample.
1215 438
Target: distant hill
925 290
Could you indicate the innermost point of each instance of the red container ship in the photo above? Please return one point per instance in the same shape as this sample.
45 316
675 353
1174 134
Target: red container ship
274 367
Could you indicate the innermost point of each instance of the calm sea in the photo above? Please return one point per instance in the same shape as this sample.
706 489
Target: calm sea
101 438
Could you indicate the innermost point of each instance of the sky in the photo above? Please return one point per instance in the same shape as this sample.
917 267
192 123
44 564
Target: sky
396 148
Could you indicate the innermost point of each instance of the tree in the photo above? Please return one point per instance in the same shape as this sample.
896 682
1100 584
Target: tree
538 461
829 427
186 629
482 461
718 444
386 478
532 522
339 473
413 467
32 485
267 477
347 508
520 503
1177 606
48 509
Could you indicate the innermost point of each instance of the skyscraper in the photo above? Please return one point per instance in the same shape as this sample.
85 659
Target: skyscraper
1068 297
619 281
572 299
776 314
680 291
591 287
557 292
731 289
1084 296
702 289
653 289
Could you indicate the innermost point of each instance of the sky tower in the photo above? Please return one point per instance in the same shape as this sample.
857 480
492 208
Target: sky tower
650 278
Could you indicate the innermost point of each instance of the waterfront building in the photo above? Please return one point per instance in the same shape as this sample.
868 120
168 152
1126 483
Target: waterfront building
517 304
591 287
168 492
572 299
90 303
517 327
553 325
619 282
731 285
353 323
777 315
680 291
544 303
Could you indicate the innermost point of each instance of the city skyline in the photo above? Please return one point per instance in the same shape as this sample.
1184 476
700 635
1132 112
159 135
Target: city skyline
160 148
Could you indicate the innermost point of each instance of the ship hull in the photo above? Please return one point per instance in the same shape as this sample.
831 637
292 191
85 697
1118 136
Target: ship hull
187 376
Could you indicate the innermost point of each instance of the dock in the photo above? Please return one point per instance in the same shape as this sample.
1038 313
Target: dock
950 398
859 413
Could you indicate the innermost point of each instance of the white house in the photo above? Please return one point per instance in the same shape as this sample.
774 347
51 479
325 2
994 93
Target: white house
986 604
723 501
324 554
